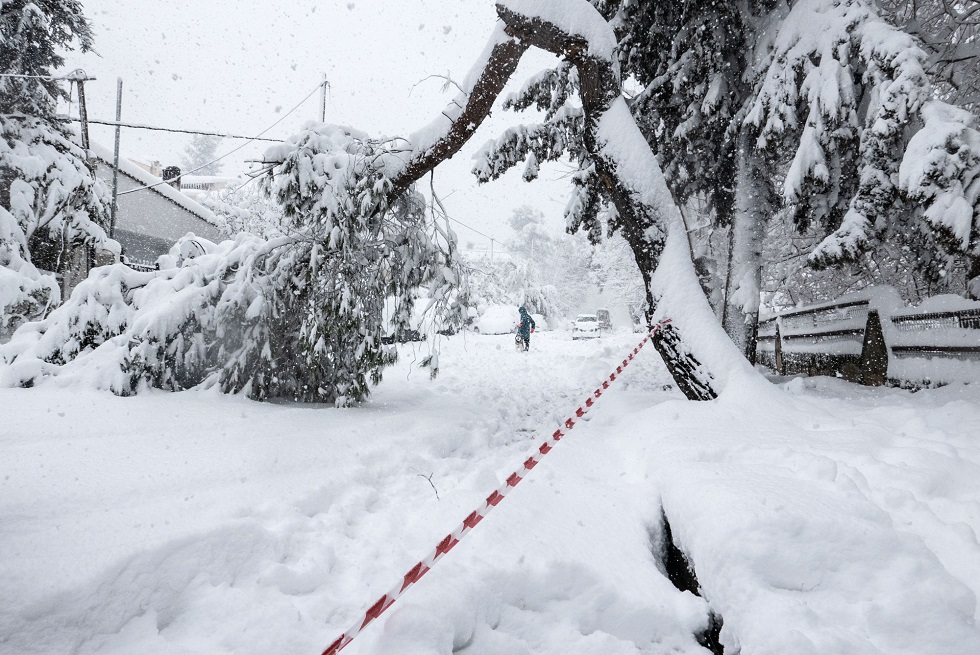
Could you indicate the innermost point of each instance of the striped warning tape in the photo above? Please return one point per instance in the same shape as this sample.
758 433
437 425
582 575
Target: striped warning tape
471 521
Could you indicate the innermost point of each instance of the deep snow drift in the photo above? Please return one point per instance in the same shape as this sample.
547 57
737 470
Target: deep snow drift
821 517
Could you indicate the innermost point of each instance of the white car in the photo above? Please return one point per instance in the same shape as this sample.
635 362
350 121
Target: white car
586 326
496 319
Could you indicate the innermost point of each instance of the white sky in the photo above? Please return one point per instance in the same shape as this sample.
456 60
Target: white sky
237 67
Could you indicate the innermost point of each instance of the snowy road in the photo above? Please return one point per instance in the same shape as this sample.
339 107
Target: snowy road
821 517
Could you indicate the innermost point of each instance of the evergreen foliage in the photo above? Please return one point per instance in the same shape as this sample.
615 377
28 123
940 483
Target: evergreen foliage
245 209
949 32
50 199
200 155
829 92
692 60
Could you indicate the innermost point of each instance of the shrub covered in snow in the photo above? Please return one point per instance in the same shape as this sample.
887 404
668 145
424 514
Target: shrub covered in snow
298 316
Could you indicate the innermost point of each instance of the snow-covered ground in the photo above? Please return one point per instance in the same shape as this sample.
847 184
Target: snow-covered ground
821 517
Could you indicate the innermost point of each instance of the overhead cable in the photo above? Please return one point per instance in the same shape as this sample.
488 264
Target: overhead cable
232 151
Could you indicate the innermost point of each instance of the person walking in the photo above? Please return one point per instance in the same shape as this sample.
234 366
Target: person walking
525 327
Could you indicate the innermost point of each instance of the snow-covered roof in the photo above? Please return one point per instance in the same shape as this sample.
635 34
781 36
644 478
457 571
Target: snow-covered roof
155 184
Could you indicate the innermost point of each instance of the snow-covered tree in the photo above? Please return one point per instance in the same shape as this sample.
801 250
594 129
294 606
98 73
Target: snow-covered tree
822 95
523 216
852 92
949 32
546 271
301 315
941 173
50 200
690 60
200 155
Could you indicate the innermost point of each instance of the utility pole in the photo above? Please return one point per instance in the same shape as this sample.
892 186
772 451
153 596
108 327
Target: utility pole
80 77
323 99
115 160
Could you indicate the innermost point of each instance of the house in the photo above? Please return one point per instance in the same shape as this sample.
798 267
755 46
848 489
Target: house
196 186
150 213
193 186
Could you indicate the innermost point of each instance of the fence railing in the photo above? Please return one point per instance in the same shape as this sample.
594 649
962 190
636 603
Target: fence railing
146 267
870 338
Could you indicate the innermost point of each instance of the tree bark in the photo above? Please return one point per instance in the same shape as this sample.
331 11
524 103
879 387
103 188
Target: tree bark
753 206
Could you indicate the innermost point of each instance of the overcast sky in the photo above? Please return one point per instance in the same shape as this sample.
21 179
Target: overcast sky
237 67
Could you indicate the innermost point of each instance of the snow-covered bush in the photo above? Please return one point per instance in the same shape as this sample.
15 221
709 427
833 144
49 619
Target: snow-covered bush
25 293
298 316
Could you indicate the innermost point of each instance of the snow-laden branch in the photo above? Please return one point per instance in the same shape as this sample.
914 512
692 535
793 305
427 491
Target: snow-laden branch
825 49
635 182
400 162
941 169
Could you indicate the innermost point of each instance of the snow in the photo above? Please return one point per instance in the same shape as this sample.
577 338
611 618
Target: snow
683 301
947 302
577 18
840 519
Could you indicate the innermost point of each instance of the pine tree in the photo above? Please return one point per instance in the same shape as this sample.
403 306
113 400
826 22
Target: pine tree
200 155
691 60
300 315
50 199
848 92
819 95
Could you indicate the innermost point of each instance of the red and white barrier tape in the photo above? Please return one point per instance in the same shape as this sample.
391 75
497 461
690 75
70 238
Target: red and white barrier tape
471 521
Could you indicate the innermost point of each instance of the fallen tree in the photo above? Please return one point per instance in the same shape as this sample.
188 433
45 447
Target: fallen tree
299 316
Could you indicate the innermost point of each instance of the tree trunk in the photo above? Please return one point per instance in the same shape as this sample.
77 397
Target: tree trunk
467 111
753 206
630 173
973 279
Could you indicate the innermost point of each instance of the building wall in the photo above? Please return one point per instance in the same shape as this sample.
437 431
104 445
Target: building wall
148 223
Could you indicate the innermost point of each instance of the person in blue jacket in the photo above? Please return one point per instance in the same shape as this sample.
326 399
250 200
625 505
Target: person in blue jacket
525 327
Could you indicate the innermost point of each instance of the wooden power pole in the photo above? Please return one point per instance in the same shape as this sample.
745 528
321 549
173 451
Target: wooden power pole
79 77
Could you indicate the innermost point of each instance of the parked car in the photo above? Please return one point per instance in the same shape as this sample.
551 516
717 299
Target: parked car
586 326
496 319
402 336
605 323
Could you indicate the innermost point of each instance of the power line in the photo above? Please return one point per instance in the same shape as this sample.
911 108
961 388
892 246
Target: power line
473 229
139 126
32 77
230 152
76 74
